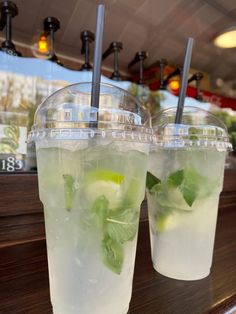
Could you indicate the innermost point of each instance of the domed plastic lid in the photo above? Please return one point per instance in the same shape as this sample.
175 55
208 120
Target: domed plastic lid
67 114
199 128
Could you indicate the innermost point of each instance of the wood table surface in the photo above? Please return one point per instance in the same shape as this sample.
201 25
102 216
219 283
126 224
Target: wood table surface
24 278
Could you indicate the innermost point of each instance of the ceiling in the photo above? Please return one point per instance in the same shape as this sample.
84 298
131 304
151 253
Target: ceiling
160 27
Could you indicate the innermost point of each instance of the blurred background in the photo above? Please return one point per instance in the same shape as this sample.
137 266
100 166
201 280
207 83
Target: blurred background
159 27
46 45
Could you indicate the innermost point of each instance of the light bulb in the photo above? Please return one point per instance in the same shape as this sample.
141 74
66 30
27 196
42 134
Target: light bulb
42 46
174 85
226 39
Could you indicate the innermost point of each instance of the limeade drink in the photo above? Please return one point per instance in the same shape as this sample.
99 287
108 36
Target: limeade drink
184 181
183 195
92 165
91 198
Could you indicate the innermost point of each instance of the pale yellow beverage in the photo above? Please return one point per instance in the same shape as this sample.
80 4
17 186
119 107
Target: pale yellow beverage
184 181
91 199
183 209
92 166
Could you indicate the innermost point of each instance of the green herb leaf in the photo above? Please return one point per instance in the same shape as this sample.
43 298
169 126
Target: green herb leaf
156 188
123 226
151 180
69 190
181 188
191 185
176 178
113 254
100 209
189 194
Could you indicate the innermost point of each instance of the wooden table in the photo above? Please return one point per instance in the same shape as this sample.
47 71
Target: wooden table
24 276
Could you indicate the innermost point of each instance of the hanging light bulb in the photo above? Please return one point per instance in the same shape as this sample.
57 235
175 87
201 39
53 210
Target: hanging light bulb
43 44
42 47
174 85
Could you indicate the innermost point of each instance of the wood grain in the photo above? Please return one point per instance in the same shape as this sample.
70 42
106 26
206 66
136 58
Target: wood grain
24 279
19 194
21 212
21 228
229 180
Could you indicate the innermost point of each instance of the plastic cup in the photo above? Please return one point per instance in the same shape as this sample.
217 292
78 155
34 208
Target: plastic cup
91 182
184 181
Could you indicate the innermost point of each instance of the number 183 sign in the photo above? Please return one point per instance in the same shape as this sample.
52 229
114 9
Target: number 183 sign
11 163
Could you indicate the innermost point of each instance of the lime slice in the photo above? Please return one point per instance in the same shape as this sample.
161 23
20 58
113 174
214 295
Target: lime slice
170 220
105 183
104 175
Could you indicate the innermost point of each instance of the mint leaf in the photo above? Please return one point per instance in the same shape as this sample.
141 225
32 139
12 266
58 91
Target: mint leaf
69 190
189 194
156 188
181 188
123 226
191 185
117 226
189 182
100 209
151 180
113 254
176 178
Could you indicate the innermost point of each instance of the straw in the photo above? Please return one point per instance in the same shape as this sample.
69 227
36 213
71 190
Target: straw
97 56
184 81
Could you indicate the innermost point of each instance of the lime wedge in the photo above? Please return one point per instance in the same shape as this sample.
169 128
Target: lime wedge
104 183
170 220
104 175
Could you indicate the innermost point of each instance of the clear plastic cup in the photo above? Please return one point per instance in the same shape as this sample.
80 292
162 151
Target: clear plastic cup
91 182
184 181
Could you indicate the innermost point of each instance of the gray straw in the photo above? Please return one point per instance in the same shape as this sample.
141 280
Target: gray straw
97 60
184 81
